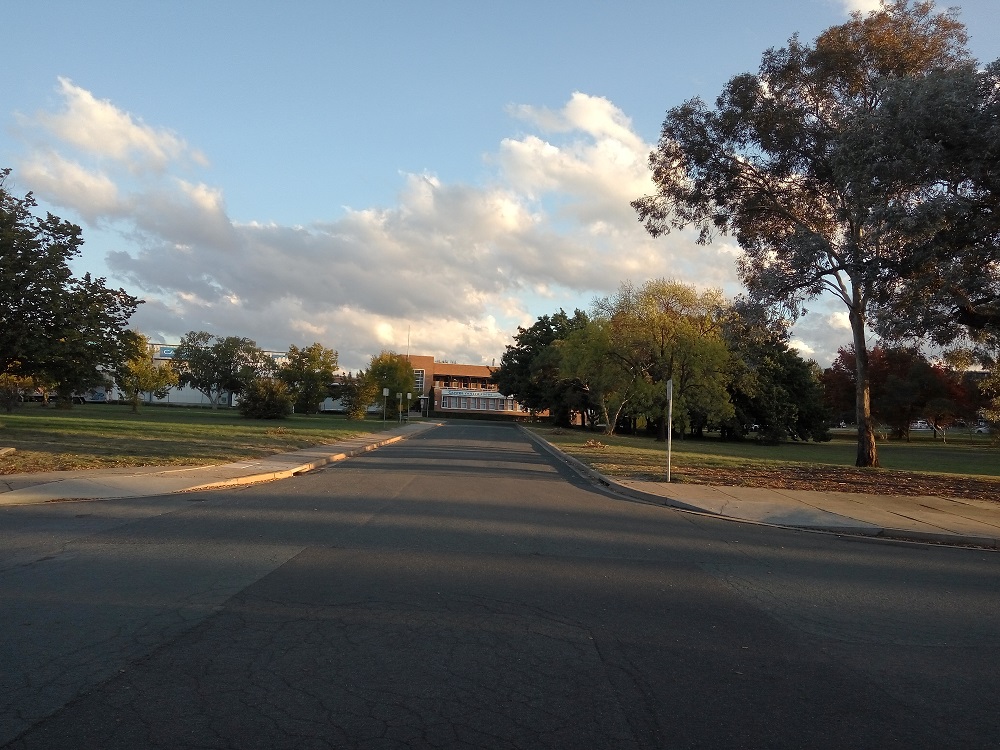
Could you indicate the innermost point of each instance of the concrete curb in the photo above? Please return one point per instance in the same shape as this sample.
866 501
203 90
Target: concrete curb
290 471
151 481
863 529
587 472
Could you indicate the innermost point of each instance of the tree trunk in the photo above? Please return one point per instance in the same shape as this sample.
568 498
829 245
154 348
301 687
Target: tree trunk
867 451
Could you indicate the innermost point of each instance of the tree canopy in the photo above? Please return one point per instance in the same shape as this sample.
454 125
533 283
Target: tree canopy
357 393
308 373
729 362
668 331
940 132
611 383
54 325
776 164
390 370
906 387
529 368
217 366
770 384
141 373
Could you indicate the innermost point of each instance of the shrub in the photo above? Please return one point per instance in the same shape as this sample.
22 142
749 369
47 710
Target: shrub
266 398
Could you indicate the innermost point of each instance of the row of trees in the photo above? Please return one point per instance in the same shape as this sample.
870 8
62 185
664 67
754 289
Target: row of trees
214 366
387 373
231 365
217 366
907 387
728 363
865 165
64 334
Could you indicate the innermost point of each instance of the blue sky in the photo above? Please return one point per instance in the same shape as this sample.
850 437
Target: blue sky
363 174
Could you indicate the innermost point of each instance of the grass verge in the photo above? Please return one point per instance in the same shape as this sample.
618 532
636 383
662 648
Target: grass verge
965 466
94 436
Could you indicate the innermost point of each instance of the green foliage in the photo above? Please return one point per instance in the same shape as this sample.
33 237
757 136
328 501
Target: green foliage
309 373
216 366
13 388
990 388
266 398
729 364
588 356
392 371
530 369
771 385
942 132
776 163
53 324
140 373
668 331
357 393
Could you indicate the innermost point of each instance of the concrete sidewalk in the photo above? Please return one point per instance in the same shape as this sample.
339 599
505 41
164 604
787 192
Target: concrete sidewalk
923 519
148 481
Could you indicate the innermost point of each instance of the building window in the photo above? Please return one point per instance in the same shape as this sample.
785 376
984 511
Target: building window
418 378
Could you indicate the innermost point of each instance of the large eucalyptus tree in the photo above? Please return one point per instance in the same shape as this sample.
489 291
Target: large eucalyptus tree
772 164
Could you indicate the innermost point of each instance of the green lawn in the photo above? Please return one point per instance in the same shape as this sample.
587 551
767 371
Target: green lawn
624 455
102 435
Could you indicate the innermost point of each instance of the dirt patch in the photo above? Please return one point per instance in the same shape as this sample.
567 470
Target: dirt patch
843 479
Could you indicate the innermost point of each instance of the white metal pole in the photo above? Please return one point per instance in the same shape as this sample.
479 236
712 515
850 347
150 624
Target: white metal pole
670 423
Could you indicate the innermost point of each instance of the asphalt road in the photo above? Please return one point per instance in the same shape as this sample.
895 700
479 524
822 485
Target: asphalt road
459 590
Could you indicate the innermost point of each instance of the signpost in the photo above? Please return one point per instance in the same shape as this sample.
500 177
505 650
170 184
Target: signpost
385 395
670 422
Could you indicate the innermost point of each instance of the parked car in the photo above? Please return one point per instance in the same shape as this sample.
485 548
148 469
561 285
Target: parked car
983 430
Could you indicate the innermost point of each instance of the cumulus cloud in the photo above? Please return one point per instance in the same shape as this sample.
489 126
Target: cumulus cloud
826 329
68 183
100 128
451 268
864 6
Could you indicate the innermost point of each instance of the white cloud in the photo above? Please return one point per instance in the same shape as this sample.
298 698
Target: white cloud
99 128
458 266
802 348
864 6
839 320
824 331
67 183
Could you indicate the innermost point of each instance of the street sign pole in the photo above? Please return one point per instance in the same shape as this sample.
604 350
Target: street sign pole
670 423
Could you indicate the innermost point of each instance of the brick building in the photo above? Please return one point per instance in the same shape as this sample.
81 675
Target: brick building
450 388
